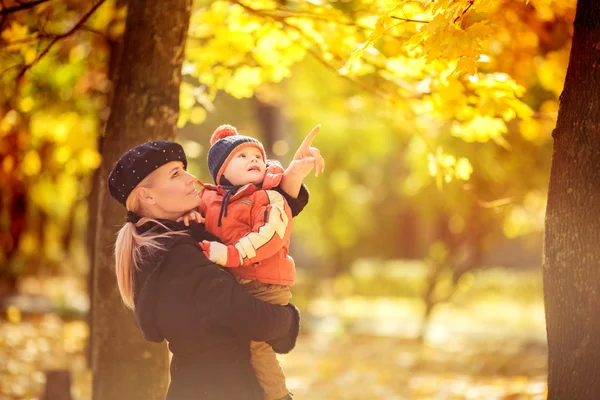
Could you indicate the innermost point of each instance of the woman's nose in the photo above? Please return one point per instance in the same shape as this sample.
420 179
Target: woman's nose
191 178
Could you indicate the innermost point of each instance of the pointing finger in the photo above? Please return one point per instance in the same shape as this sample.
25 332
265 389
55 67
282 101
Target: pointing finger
310 137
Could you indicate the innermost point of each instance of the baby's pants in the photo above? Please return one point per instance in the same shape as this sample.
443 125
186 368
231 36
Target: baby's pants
264 360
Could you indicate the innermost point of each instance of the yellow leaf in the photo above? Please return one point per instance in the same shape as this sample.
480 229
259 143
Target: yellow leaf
11 119
245 79
62 154
479 129
31 164
26 104
29 54
374 36
13 314
549 107
186 96
432 166
552 71
530 129
16 32
183 118
8 164
78 53
197 115
89 159
467 65
116 30
463 169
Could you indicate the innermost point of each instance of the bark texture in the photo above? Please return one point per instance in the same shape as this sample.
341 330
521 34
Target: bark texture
145 107
572 237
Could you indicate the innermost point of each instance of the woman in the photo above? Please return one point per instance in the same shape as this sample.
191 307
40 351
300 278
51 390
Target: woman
177 293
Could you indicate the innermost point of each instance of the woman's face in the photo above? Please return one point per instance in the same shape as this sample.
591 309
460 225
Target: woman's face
170 192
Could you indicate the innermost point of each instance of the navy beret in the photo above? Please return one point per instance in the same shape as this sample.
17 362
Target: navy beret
138 162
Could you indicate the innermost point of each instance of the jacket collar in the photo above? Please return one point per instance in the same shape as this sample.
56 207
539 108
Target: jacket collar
197 231
243 191
273 177
169 225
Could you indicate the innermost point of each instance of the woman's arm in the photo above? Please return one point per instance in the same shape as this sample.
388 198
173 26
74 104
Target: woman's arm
217 296
297 203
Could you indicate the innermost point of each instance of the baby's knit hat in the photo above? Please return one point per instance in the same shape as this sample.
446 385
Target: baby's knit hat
225 141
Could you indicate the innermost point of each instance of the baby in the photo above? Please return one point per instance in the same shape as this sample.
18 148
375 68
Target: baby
254 223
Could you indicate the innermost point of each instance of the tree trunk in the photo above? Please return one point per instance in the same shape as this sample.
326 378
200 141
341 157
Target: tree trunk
58 385
145 107
115 53
571 248
429 305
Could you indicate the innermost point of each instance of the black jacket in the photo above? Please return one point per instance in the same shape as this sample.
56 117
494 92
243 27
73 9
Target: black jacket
207 317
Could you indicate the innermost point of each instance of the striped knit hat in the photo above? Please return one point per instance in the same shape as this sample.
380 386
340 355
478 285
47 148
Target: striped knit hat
225 141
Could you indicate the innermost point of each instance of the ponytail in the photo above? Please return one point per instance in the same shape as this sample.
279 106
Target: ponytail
131 245
125 262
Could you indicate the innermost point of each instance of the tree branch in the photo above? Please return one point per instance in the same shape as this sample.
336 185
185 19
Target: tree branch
3 15
282 13
59 37
410 20
465 11
95 32
283 21
34 37
362 85
22 6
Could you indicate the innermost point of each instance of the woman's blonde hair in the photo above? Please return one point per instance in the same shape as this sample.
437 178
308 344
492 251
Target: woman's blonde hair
130 245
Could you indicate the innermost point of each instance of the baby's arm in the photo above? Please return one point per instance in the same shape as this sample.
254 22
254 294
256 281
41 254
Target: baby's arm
271 230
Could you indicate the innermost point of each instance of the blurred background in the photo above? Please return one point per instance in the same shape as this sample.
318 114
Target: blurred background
419 253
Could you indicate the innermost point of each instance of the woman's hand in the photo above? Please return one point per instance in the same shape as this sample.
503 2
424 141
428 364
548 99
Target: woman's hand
305 159
193 215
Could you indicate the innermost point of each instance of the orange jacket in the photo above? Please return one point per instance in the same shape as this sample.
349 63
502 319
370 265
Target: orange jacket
256 228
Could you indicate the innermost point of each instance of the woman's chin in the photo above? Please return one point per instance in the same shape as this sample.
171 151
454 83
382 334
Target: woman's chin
196 202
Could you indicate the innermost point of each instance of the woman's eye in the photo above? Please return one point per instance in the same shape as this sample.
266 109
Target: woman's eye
175 174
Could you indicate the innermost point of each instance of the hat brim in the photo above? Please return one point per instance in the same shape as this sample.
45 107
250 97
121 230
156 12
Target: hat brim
232 154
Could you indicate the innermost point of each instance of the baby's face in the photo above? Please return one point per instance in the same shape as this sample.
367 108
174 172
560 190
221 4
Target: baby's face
246 166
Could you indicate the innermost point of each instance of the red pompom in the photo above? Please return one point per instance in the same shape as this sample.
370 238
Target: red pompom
221 132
